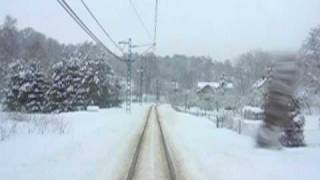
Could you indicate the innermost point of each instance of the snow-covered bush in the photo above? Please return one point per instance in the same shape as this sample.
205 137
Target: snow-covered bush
72 78
15 123
26 89
6 130
73 85
3 75
293 132
76 85
100 84
56 95
11 100
66 92
36 94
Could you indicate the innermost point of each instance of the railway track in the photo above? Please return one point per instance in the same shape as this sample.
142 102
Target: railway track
151 159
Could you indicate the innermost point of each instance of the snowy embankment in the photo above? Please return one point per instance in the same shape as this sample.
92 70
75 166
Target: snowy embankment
311 128
93 145
201 151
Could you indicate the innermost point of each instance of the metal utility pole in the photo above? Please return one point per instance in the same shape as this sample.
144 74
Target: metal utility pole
157 91
141 71
175 90
129 62
223 84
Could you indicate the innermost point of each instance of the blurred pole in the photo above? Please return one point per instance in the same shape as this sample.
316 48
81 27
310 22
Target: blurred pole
157 91
141 72
277 110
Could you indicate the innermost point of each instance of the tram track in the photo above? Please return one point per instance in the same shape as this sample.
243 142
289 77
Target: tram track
152 159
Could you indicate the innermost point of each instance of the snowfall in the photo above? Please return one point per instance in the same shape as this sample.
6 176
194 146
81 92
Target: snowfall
96 144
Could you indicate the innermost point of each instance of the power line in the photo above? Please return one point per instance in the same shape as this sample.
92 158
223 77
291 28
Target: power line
76 19
101 27
147 50
84 27
140 18
155 30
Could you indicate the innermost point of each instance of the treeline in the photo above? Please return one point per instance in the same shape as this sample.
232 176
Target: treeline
187 71
38 74
244 71
29 46
74 85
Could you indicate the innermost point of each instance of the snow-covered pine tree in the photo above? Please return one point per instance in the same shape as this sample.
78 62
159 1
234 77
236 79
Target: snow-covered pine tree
108 85
35 91
101 86
76 84
26 89
90 83
3 76
293 131
66 92
12 100
115 93
57 93
73 78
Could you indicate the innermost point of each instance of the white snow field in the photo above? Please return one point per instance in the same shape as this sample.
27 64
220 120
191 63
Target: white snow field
94 146
312 130
201 151
98 145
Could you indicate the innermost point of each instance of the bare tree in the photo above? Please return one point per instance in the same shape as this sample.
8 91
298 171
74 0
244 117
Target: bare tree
9 45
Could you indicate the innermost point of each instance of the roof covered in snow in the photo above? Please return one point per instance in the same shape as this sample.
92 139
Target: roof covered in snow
259 83
252 109
211 84
229 85
215 85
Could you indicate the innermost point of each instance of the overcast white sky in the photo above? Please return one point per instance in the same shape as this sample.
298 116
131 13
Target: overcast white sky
218 28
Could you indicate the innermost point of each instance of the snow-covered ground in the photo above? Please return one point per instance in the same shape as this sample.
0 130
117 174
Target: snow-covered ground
312 130
97 145
249 127
201 151
92 145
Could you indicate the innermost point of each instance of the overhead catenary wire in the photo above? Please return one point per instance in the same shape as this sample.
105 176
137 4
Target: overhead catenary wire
147 50
140 18
155 30
84 27
74 17
101 27
91 34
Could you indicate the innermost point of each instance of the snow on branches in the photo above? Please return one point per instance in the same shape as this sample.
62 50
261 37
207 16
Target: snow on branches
26 89
72 85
